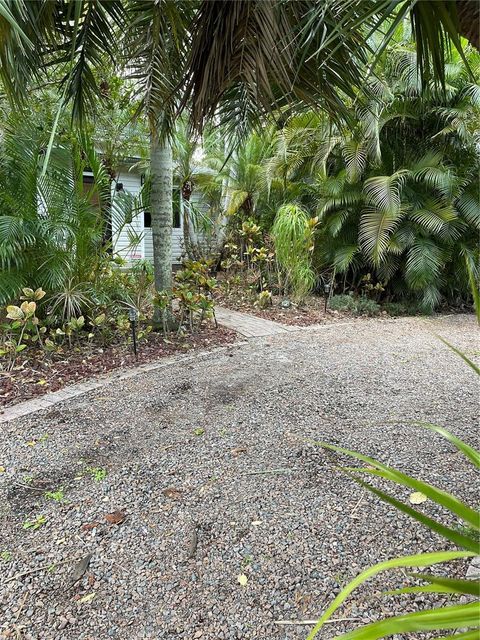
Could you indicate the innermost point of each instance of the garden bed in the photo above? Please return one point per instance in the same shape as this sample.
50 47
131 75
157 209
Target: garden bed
40 374
310 312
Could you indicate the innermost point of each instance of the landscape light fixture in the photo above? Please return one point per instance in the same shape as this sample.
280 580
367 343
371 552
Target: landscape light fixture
133 317
326 288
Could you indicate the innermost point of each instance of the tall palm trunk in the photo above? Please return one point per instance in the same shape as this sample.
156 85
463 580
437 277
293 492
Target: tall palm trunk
185 217
468 12
161 210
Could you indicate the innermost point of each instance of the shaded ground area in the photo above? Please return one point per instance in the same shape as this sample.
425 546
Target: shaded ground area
211 471
44 373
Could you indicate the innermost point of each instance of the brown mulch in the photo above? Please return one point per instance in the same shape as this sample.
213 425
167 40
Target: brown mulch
39 374
312 311
302 316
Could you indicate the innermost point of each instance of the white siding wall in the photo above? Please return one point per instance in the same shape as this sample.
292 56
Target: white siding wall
177 235
132 183
122 237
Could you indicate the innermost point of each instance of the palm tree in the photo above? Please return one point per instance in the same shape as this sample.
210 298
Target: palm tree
155 47
199 169
399 193
254 56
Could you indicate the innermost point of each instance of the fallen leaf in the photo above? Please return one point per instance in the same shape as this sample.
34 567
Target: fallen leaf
88 598
42 381
242 579
116 517
2 470
32 443
88 526
199 431
238 450
417 497
79 569
174 494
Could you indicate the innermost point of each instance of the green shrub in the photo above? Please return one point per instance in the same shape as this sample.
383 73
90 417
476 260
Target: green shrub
357 305
395 308
293 235
342 302
366 307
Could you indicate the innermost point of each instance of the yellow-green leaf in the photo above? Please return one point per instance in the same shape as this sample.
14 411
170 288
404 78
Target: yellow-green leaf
242 579
39 294
28 308
88 598
417 497
14 312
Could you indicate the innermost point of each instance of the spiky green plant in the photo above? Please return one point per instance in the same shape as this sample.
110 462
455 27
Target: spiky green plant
462 617
292 234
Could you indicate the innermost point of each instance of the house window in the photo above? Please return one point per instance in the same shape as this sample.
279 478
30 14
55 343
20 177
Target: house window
89 189
177 219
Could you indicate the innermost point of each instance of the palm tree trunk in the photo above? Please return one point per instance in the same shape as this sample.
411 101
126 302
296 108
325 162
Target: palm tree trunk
185 217
161 211
468 12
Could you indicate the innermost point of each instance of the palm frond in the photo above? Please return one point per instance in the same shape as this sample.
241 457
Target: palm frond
423 263
382 213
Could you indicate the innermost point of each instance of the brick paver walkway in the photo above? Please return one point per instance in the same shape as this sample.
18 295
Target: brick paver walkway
250 326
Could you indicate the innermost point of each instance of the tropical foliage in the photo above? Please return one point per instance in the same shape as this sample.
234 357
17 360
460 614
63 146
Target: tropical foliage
396 196
51 224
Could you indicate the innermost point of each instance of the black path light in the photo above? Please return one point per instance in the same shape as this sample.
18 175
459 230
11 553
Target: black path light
326 289
133 317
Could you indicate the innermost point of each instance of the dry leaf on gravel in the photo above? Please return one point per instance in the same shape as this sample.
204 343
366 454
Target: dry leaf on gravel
79 569
238 450
242 579
171 492
116 517
88 598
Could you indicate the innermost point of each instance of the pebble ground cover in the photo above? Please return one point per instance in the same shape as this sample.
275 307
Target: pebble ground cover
191 502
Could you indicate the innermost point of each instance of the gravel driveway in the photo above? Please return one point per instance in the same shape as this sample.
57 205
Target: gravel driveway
211 471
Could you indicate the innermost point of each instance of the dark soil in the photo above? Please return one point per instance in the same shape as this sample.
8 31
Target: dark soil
38 374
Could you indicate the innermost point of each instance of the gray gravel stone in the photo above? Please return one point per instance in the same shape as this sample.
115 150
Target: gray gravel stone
278 512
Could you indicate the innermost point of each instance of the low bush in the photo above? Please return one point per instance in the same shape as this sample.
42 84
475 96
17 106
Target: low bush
342 302
191 300
358 305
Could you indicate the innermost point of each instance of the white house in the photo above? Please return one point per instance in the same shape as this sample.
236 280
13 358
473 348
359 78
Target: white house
130 179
